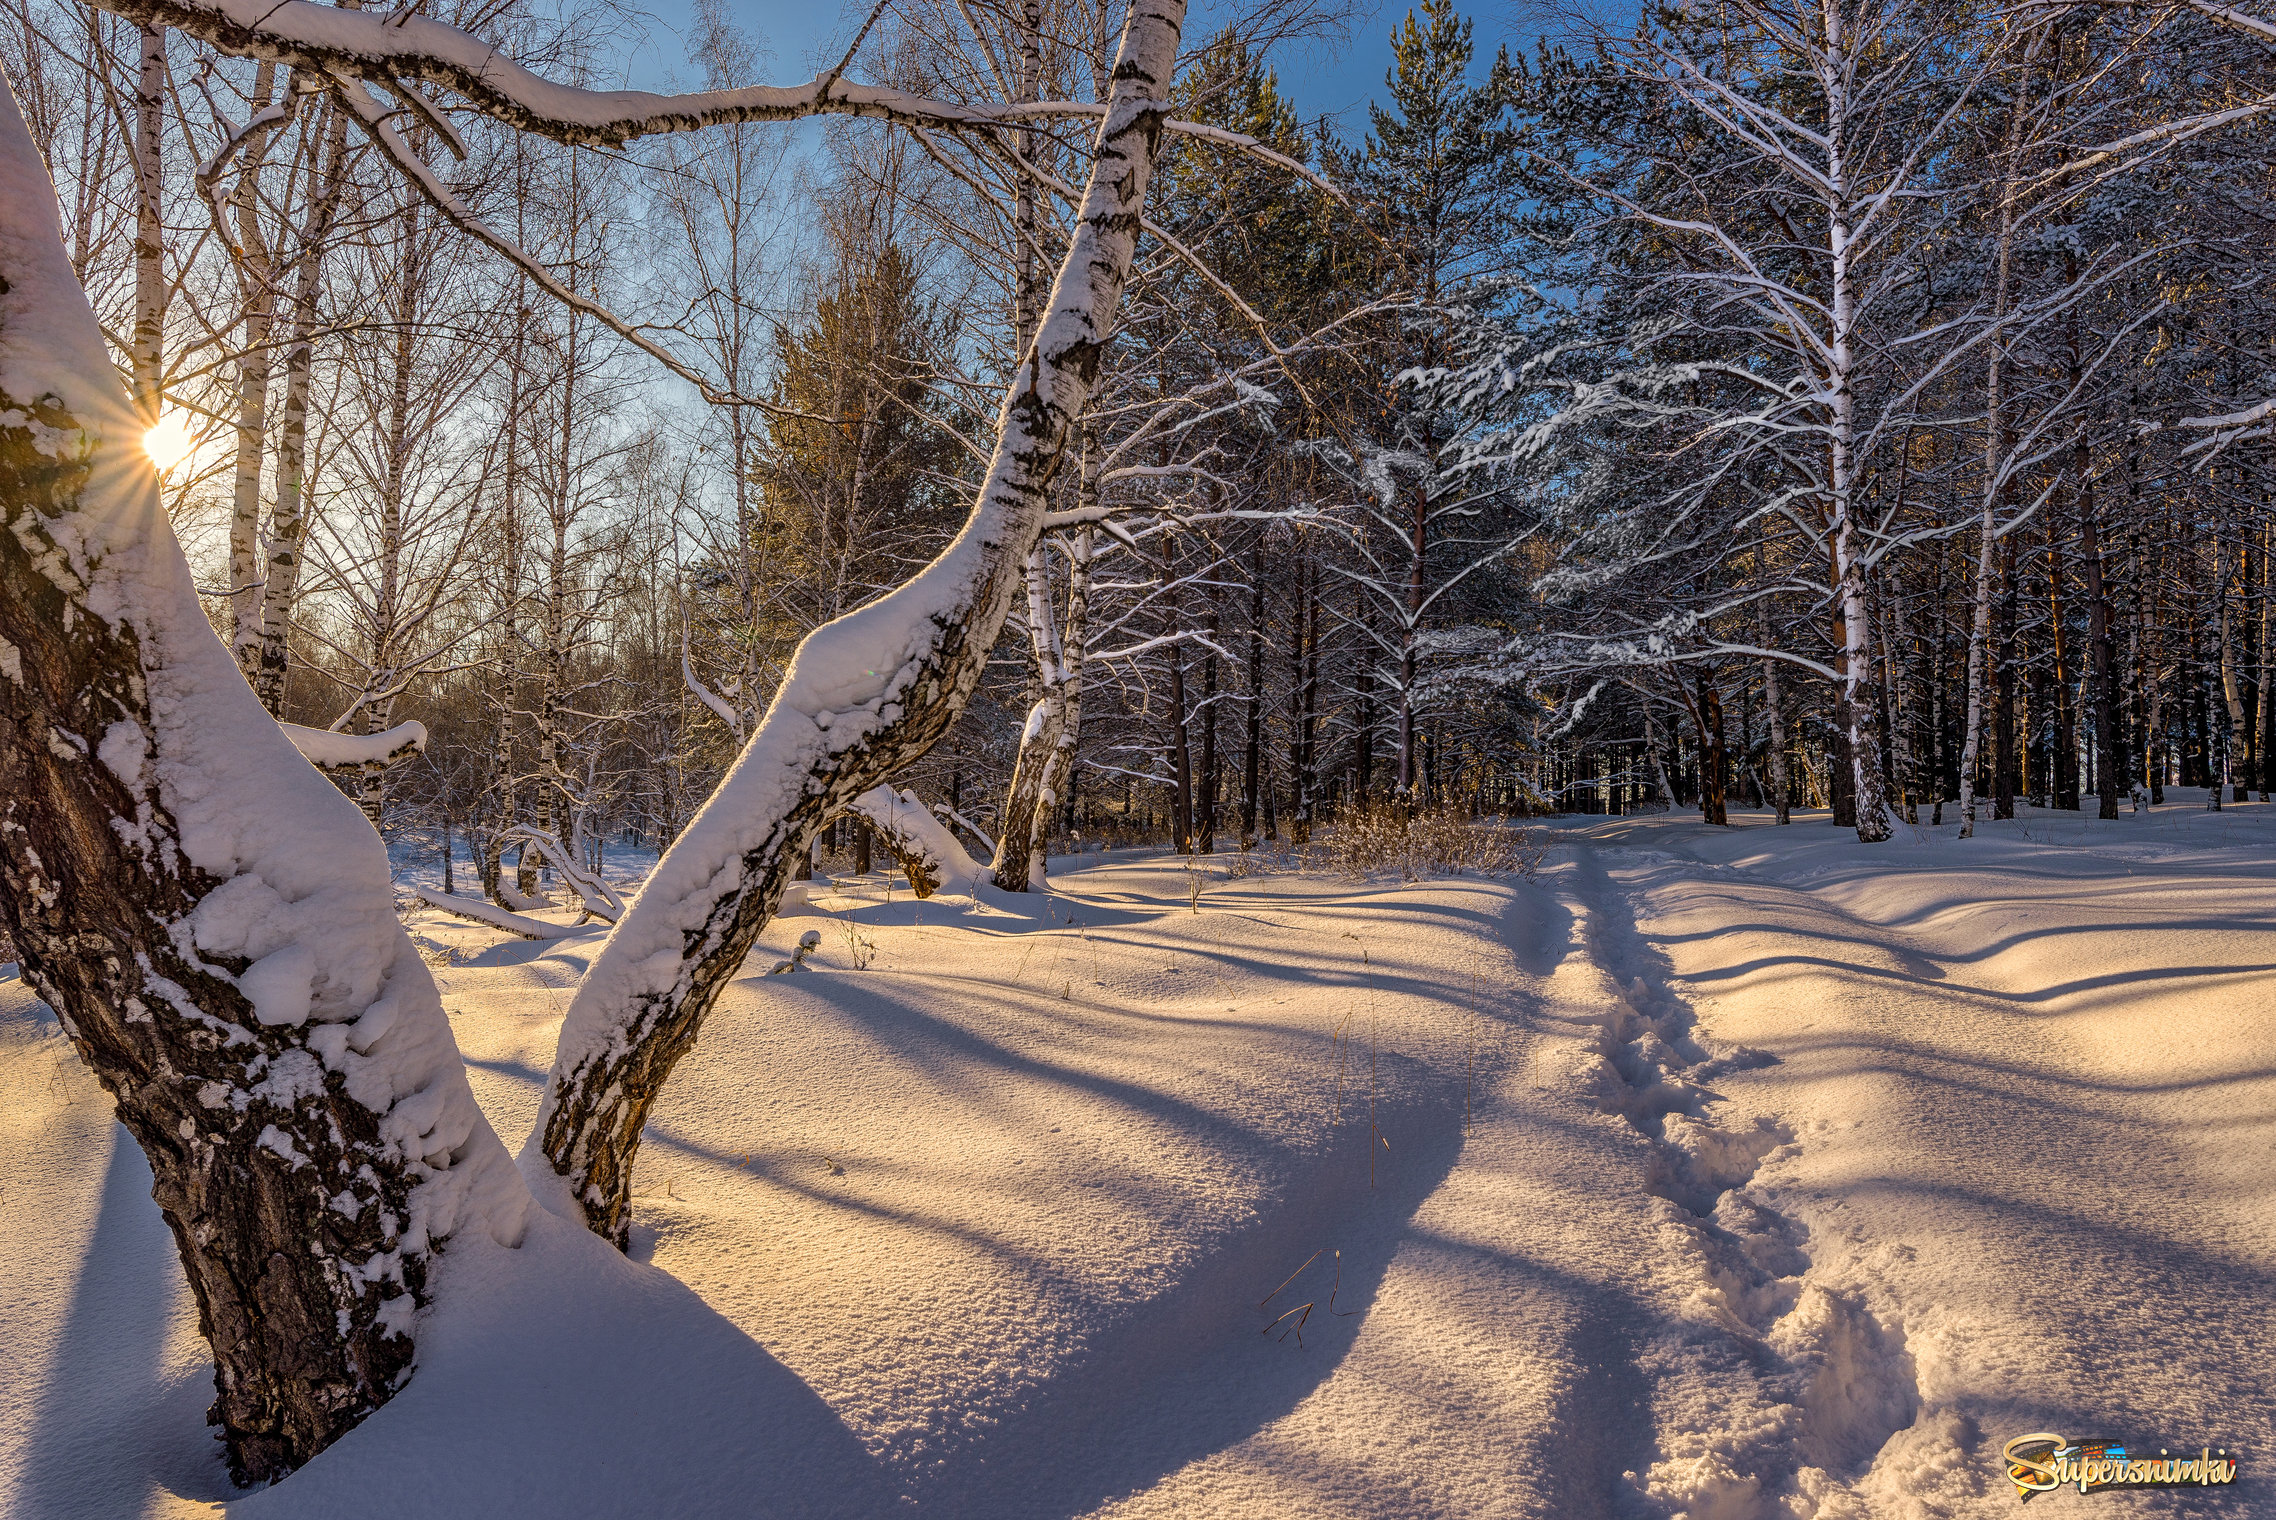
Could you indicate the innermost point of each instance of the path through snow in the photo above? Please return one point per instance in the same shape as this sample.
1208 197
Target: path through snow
1737 1173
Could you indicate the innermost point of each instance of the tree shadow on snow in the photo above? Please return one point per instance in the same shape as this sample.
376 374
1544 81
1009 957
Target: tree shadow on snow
113 1420
563 1380
1217 1358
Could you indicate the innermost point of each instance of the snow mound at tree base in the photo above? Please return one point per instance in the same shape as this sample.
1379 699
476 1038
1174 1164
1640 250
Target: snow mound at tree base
564 1379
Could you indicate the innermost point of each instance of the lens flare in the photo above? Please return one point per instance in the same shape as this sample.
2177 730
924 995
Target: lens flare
169 443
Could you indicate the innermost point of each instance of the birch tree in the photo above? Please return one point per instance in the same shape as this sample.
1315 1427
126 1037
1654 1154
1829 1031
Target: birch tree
257 1012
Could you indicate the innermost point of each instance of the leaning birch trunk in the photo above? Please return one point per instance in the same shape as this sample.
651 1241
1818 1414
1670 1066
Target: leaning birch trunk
865 695
210 919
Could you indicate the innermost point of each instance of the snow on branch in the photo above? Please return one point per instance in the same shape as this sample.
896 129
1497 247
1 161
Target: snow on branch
2230 16
477 911
600 900
947 814
1148 646
2132 151
2233 427
328 751
927 853
387 49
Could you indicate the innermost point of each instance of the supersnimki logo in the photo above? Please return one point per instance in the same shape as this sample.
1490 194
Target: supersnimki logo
2043 1461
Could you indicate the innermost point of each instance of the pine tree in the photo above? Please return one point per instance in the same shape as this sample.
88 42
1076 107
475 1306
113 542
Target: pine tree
1441 173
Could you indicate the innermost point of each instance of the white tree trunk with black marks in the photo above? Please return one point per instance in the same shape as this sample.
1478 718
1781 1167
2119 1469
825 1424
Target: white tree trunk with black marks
865 694
256 285
1855 617
149 337
1047 746
288 525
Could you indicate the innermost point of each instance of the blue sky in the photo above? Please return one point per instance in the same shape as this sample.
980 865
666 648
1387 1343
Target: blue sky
1338 81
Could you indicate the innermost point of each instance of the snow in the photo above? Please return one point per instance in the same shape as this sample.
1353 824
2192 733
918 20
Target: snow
329 750
1746 1173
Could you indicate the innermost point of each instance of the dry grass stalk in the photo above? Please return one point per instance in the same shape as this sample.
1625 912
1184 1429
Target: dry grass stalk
1388 839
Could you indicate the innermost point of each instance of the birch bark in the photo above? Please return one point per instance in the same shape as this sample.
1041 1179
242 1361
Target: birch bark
864 695
149 336
256 283
1856 620
288 525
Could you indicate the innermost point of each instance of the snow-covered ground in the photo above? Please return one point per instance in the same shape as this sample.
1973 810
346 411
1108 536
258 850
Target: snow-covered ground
1735 1173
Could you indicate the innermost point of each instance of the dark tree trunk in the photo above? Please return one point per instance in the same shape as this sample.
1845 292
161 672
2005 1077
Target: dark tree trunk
2004 759
1181 750
2062 714
1252 747
1714 773
2267 691
1417 549
1363 735
2109 764
1308 725
1205 798
1843 785
1300 697
1181 757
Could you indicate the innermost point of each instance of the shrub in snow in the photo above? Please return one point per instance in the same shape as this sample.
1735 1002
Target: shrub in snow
1384 838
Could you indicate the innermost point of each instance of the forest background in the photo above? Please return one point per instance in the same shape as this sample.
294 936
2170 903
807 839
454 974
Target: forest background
1856 406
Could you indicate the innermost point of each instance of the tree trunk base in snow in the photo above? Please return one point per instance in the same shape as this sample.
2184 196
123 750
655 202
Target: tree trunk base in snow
249 1138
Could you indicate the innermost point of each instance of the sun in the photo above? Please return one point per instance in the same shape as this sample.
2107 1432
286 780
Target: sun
169 442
